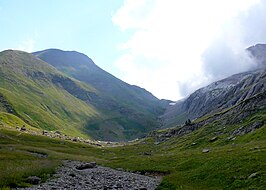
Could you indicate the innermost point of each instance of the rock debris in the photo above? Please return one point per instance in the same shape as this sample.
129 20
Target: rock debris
75 175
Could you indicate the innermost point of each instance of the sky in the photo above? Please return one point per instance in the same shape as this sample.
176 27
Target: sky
169 47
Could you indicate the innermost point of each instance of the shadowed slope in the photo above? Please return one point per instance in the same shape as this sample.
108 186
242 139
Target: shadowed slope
133 110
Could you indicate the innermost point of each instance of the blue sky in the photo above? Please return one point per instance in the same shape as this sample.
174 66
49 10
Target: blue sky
84 26
169 47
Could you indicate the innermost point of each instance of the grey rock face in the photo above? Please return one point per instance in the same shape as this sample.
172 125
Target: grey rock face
222 94
96 178
216 97
230 116
249 128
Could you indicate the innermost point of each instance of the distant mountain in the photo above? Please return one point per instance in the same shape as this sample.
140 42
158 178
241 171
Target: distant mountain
216 97
220 95
130 111
258 52
42 96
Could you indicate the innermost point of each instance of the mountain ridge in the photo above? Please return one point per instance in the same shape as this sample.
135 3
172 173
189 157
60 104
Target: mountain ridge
27 84
134 107
223 147
222 94
217 96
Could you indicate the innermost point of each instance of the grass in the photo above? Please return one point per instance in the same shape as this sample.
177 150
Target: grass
26 83
17 160
47 99
228 165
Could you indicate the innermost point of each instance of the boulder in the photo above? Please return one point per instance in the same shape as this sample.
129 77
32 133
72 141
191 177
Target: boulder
23 128
75 139
33 180
205 150
86 166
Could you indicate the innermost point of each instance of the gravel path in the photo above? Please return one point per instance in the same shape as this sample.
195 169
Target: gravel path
81 175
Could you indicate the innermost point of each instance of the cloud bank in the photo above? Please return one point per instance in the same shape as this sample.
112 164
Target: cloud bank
178 46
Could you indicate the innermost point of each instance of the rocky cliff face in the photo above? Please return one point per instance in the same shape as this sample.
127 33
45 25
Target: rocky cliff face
235 115
222 94
217 96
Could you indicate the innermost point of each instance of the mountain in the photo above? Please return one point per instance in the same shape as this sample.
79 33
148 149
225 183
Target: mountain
222 148
216 97
220 95
43 97
258 52
131 111
102 107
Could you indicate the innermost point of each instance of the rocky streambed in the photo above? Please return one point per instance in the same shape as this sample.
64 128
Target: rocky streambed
81 175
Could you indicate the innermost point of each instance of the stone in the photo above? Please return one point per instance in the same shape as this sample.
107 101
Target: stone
75 139
213 139
142 188
72 175
253 175
33 180
23 128
147 153
205 150
68 177
86 166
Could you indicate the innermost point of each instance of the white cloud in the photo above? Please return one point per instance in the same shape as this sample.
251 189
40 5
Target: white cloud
164 53
26 45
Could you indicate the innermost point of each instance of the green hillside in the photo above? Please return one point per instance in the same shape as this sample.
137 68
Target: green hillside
224 149
28 89
132 111
231 162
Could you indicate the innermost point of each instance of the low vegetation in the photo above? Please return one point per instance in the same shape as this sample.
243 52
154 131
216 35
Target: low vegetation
237 162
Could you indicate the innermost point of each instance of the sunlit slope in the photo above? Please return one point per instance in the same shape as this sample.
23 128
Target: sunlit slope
233 160
41 96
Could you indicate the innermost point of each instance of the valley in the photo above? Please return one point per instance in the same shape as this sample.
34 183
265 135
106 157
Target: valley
230 162
59 105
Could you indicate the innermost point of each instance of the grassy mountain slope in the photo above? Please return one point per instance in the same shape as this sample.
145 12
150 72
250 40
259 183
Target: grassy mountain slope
29 90
234 161
225 149
133 111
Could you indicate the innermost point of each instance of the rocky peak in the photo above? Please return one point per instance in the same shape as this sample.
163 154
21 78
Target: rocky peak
258 52
216 97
